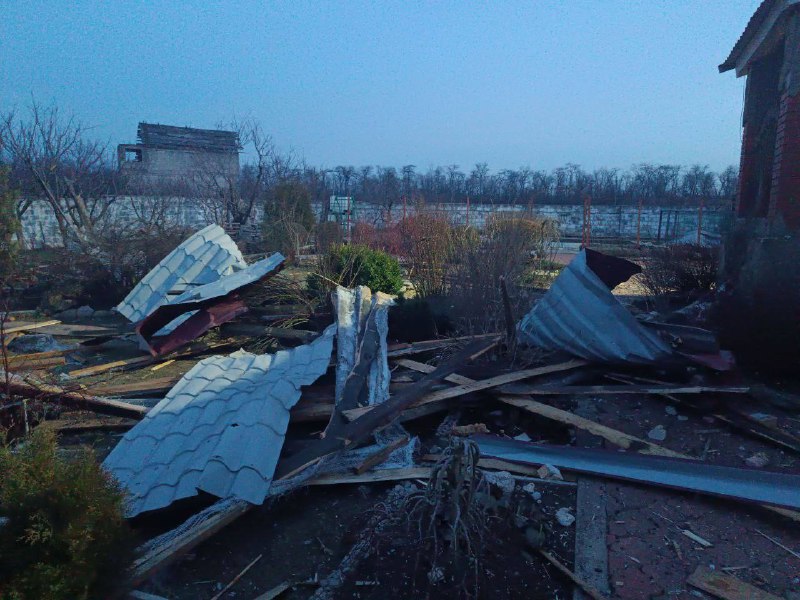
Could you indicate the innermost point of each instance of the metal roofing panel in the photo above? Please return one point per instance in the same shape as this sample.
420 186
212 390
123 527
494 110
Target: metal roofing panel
228 283
219 430
755 485
580 315
201 259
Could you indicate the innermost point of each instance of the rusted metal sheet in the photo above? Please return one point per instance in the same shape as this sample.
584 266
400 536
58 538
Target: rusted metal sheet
580 315
755 485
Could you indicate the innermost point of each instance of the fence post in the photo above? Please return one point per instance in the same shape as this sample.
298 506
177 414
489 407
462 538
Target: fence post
639 225
467 211
700 223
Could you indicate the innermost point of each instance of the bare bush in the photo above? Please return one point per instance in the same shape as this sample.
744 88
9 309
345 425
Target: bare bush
427 247
515 249
679 269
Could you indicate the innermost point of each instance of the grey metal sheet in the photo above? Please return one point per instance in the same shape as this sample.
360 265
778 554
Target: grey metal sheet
745 484
581 316
219 430
228 283
201 259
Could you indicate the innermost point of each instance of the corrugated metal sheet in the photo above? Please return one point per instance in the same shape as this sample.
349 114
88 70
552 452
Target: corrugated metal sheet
201 259
219 430
581 316
197 310
228 283
746 484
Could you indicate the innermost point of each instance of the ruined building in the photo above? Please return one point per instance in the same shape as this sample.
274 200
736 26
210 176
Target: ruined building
168 157
759 297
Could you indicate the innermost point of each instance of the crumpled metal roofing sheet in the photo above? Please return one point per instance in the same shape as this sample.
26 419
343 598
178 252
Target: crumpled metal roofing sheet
580 315
201 259
219 430
746 484
228 283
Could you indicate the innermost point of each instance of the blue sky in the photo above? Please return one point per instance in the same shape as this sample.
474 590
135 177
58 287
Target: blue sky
596 82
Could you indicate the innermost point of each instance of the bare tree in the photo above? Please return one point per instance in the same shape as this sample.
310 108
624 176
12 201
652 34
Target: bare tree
230 195
71 172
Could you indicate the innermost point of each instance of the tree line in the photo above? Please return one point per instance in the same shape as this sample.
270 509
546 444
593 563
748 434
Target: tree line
52 156
569 184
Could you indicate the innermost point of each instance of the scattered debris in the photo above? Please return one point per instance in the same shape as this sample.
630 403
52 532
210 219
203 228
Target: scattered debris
726 587
657 433
550 472
696 538
236 579
757 460
565 517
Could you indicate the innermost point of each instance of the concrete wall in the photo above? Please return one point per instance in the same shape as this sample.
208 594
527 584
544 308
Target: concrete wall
159 166
40 228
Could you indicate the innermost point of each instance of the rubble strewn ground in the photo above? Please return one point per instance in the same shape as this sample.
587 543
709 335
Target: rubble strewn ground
443 521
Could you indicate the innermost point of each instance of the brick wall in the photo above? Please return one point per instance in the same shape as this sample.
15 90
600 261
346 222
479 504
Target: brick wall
784 201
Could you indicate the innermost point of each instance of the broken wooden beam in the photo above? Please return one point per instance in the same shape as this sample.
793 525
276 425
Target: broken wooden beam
398 350
517 389
381 455
51 393
20 327
40 364
726 587
88 425
378 416
156 386
435 400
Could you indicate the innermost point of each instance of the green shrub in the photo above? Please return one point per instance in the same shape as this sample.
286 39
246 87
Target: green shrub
65 537
350 266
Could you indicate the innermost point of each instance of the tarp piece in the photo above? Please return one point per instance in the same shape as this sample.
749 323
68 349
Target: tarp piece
581 316
755 485
202 258
219 430
210 305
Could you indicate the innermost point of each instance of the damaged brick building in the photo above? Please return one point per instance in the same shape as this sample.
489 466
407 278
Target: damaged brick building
167 157
760 298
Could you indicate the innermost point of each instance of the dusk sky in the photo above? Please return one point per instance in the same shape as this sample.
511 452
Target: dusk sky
595 82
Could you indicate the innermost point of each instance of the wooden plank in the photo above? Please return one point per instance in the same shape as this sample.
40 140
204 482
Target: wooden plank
83 401
616 437
16 358
399 350
612 435
601 390
86 425
726 586
161 556
156 385
373 476
117 364
477 386
381 455
273 593
140 361
379 416
19 327
37 365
